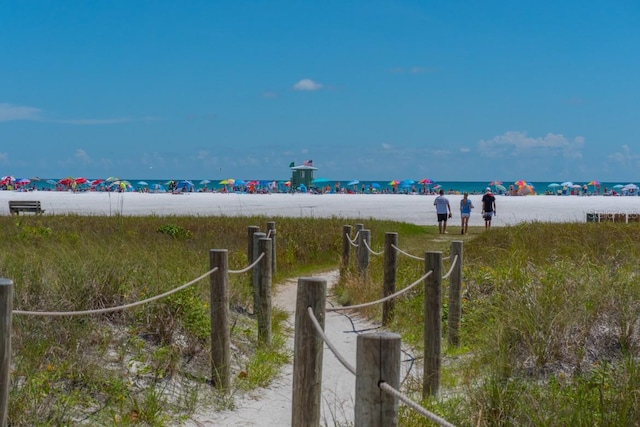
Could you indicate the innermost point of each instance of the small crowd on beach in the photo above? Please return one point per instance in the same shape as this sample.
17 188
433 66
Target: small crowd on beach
444 212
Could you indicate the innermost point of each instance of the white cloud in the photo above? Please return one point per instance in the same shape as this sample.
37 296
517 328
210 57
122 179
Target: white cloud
624 158
82 156
10 112
513 143
89 122
4 157
307 84
386 146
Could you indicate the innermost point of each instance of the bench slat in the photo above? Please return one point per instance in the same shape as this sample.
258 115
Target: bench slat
17 206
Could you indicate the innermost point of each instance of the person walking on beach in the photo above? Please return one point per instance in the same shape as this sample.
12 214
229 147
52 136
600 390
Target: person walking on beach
488 208
442 207
465 212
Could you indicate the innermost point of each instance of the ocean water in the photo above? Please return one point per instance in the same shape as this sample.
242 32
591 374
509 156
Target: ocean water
378 186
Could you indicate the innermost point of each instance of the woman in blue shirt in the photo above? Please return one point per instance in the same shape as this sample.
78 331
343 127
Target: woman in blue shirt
465 211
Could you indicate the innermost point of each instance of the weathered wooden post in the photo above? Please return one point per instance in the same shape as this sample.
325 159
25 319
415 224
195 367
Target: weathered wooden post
219 307
271 233
255 271
455 295
377 360
357 228
6 308
263 309
363 251
389 279
346 249
308 352
251 230
432 324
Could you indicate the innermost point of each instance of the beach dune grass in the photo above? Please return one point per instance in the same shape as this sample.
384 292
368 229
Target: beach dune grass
149 364
549 332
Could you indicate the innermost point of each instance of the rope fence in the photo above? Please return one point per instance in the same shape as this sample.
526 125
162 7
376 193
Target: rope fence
432 279
407 254
387 298
261 267
371 251
118 308
249 267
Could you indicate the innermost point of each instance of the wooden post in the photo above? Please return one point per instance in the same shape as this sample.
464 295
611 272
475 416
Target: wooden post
271 233
432 324
219 306
307 353
377 359
255 271
455 297
263 310
363 252
6 309
251 230
389 279
357 229
346 249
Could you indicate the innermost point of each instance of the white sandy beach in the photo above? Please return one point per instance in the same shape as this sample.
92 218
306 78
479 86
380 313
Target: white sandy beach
415 209
272 406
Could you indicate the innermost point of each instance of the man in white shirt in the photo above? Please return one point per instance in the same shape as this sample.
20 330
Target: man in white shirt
443 210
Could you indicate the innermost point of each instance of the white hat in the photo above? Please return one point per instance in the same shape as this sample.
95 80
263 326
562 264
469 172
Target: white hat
488 190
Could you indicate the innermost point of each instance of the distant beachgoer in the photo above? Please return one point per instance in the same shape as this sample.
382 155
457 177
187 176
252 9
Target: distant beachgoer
465 212
443 210
488 207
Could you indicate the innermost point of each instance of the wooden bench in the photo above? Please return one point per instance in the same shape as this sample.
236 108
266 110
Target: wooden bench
17 206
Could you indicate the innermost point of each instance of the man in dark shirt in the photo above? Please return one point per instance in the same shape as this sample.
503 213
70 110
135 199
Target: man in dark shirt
488 207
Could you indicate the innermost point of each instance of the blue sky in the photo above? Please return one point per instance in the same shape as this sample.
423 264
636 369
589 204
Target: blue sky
369 90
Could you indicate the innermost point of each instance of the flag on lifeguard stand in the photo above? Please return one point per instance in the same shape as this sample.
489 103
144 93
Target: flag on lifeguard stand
308 163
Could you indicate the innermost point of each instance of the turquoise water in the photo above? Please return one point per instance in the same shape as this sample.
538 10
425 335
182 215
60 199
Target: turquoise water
378 185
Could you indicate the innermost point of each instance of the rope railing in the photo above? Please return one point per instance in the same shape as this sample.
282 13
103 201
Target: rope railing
333 349
249 267
413 405
383 385
453 265
406 253
353 242
118 308
387 298
371 251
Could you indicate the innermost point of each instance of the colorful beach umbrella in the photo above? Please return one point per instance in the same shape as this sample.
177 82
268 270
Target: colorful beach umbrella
425 181
495 183
394 182
521 183
594 183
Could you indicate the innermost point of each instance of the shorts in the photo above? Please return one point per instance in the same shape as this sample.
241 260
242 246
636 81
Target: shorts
465 215
442 217
487 216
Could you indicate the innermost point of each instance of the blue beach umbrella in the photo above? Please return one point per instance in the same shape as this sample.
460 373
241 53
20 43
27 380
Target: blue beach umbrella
353 182
143 183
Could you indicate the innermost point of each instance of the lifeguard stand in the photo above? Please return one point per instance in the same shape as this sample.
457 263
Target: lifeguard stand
302 174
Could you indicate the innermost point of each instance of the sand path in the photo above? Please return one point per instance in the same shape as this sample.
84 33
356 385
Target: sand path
272 406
